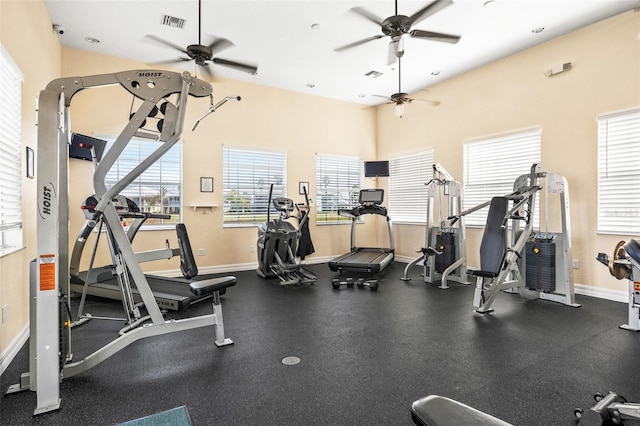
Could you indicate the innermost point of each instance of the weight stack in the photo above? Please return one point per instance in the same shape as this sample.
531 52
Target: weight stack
446 243
540 258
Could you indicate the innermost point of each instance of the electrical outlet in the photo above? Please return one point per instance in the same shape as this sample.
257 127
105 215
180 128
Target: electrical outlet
5 313
252 249
576 264
200 252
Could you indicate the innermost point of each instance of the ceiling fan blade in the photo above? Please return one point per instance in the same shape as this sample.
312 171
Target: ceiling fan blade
429 101
358 43
428 10
220 44
171 61
367 15
251 69
388 99
166 43
207 70
430 35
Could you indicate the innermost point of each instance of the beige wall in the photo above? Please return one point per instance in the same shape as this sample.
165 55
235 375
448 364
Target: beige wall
26 33
302 125
513 94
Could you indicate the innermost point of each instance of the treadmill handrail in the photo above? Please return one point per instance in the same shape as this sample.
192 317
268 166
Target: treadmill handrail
362 210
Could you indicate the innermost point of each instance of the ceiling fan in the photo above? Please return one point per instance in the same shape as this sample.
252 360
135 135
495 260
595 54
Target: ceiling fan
203 55
401 98
397 26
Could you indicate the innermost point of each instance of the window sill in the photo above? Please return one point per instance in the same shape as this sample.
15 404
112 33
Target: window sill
6 251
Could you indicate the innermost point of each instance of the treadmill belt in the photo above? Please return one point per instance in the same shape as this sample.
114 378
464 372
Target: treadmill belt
170 293
372 260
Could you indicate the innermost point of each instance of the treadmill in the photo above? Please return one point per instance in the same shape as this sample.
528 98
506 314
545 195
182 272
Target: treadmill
170 293
365 259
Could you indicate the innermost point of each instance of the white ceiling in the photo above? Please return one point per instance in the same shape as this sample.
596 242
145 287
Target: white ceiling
292 42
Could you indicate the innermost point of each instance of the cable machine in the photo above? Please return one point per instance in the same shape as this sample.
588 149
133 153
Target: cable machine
443 255
513 257
50 358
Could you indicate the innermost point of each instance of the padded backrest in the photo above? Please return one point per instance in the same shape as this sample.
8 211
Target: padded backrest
494 240
188 265
632 247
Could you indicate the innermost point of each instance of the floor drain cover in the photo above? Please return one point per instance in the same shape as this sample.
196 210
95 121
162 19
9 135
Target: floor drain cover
291 360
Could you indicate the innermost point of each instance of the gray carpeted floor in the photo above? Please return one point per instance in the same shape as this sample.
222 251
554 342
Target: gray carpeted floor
365 357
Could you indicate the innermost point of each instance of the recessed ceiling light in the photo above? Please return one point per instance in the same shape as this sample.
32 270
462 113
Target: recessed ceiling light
315 26
489 3
537 30
361 95
311 85
92 40
436 72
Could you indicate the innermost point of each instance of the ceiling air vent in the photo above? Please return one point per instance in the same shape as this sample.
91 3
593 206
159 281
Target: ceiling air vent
172 21
373 74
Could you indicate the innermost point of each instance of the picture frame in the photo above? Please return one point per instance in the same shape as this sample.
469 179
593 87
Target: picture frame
30 159
302 186
206 184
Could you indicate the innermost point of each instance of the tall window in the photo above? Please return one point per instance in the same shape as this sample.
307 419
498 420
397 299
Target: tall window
492 165
158 189
10 154
248 176
619 173
407 197
338 183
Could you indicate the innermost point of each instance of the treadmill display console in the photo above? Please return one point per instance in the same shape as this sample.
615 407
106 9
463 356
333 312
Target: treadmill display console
371 196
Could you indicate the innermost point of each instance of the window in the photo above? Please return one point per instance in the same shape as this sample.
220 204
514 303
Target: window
407 197
338 183
248 176
492 165
619 173
158 189
10 154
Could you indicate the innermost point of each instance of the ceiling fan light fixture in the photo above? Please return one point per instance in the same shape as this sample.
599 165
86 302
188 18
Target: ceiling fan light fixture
399 109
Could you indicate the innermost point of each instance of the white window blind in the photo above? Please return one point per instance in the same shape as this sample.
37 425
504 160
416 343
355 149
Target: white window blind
338 183
492 165
407 197
10 154
158 189
248 176
619 173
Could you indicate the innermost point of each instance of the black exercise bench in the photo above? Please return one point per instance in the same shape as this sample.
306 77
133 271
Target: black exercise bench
434 410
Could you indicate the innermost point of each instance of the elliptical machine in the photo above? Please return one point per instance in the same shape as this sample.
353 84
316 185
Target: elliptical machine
279 240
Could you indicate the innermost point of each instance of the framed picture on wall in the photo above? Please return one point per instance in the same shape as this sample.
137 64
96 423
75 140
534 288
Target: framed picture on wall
206 184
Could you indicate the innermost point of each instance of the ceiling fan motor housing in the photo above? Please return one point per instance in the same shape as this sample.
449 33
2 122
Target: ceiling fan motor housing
396 25
200 53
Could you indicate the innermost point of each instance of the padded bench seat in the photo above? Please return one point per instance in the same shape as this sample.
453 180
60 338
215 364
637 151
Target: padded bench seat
434 410
208 287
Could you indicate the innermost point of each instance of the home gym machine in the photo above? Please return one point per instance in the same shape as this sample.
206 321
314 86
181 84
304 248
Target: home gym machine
513 257
365 259
112 282
625 263
443 255
50 359
279 240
